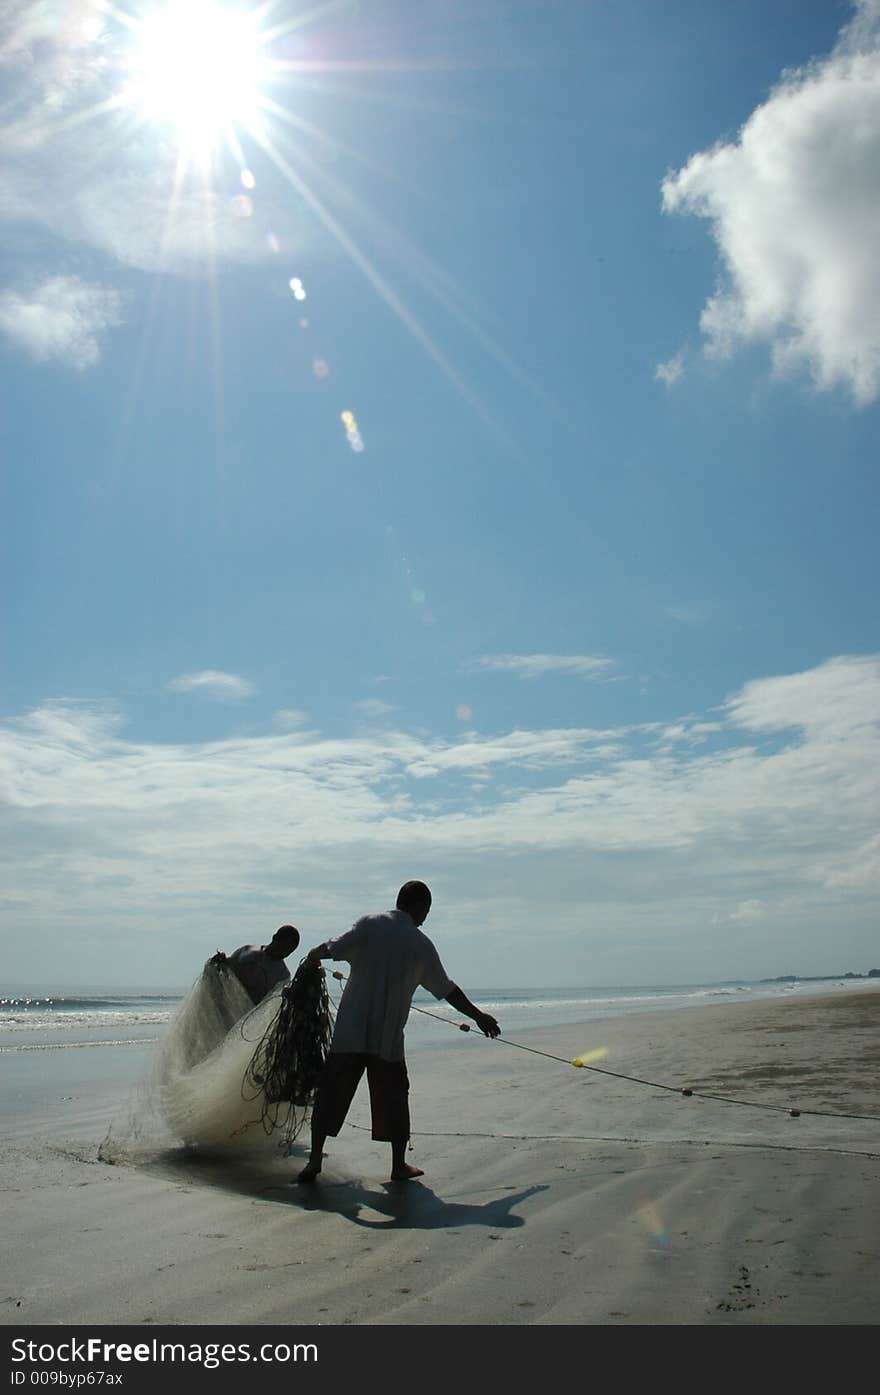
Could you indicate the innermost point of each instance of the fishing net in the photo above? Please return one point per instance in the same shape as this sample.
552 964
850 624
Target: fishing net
228 1076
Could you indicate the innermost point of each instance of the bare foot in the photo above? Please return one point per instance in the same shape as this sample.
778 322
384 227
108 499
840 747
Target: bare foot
405 1173
309 1172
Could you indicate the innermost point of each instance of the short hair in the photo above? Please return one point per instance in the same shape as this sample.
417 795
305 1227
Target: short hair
288 933
413 895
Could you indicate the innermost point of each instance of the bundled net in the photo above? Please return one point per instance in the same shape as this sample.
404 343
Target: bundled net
229 1075
284 1069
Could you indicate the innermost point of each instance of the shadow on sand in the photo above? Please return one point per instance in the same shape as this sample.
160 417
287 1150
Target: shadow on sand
412 1205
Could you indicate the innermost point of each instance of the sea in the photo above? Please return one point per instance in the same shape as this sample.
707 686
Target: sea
78 1053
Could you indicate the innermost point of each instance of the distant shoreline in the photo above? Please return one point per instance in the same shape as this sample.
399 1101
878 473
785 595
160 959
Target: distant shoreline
818 978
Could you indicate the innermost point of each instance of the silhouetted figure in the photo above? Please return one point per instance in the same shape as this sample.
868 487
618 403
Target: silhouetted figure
390 958
260 967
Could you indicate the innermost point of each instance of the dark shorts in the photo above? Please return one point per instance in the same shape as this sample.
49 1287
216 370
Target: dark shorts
389 1094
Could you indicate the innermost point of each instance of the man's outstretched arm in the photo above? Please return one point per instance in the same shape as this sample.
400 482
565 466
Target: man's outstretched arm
462 1003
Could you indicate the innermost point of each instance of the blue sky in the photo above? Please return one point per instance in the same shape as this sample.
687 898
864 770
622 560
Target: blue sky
444 449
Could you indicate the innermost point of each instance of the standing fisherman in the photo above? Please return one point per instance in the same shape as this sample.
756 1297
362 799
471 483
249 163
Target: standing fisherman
390 958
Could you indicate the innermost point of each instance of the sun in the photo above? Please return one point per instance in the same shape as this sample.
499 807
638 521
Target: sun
196 66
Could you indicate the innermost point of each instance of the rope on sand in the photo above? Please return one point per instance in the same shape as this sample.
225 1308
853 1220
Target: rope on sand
687 1091
632 1138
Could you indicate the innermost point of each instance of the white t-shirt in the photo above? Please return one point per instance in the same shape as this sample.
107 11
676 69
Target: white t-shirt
390 958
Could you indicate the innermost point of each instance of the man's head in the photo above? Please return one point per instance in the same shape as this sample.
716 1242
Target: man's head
283 942
415 899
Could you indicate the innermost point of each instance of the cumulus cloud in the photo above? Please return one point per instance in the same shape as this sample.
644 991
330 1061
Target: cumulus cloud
794 205
213 683
537 665
62 318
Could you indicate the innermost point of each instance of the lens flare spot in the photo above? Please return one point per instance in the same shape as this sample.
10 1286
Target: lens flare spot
297 287
241 206
653 1223
274 244
352 433
463 712
248 179
417 596
320 368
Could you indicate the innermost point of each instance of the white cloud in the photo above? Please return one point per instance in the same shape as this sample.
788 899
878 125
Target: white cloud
213 683
857 869
289 718
687 614
794 205
748 911
62 318
670 371
537 665
527 750
373 707
770 821
840 698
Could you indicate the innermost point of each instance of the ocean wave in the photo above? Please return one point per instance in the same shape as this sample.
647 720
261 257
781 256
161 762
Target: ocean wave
64 1003
73 1020
74 1045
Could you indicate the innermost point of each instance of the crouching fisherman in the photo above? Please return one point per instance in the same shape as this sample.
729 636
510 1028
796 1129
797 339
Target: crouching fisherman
259 968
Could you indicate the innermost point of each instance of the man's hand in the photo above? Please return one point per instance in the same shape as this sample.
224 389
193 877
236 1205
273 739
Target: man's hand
313 958
487 1025
462 1003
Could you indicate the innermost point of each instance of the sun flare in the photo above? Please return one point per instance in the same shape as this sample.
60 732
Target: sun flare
196 66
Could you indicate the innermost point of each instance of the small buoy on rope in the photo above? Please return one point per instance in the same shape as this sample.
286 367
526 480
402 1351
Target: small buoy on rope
687 1092
795 1113
464 1026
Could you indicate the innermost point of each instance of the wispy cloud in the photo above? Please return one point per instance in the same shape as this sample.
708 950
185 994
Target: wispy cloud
537 665
213 683
289 718
687 614
772 806
841 696
374 707
62 318
794 205
525 750
671 371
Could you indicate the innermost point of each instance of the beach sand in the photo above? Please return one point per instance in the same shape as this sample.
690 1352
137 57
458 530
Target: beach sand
551 1195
